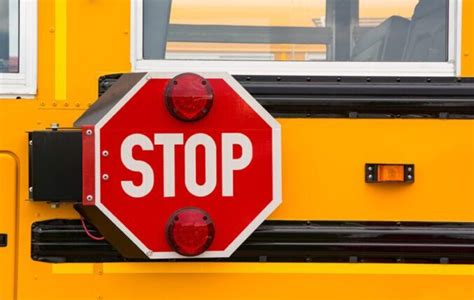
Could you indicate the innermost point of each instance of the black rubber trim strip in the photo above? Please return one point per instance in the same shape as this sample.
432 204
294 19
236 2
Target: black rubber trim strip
288 241
356 97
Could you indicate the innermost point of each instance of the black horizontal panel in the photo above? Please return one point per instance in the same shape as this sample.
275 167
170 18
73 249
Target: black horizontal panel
363 97
356 97
317 87
284 241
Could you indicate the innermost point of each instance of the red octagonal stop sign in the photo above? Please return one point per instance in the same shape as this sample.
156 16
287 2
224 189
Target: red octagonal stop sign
141 164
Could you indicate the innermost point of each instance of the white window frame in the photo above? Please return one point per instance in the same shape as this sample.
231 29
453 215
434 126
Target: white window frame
438 69
23 83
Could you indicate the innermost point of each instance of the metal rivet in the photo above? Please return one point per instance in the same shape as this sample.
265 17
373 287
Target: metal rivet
88 132
105 177
105 153
30 143
370 176
410 177
410 169
89 198
369 168
149 253
30 189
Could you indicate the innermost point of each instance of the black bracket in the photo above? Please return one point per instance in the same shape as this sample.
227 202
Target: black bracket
55 165
3 240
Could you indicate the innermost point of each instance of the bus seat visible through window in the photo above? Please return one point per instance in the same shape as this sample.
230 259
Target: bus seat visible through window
427 36
424 38
385 42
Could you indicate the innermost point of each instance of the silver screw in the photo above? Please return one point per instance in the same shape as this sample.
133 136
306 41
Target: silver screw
89 198
88 132
149 253
410 169
369 168
54 126
410 177
30 189
105 153
370 176
30 143
105 177
54 205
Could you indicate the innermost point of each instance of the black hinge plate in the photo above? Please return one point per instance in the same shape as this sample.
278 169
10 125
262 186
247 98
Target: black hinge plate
3 240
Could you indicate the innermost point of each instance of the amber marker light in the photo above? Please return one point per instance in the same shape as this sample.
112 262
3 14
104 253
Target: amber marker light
389 173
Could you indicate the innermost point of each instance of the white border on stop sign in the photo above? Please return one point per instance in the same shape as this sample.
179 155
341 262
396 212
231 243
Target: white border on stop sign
276 163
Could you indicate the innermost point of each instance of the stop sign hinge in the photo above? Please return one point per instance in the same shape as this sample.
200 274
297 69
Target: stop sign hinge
88 165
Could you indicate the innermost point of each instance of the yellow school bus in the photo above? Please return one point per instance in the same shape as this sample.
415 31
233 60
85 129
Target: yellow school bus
375 103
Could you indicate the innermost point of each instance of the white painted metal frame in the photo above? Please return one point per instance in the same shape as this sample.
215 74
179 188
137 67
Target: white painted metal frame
23 83
450 68
276 167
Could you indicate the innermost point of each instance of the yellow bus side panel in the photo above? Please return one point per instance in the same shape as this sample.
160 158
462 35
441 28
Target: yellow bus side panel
8 195
324 170
467 48
318 155
248 281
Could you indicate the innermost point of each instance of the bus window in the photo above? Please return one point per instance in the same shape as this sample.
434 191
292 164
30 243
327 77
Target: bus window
296 30
9 36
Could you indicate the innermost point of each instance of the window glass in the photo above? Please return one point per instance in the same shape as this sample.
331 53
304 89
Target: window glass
9 38
296 30
236 30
